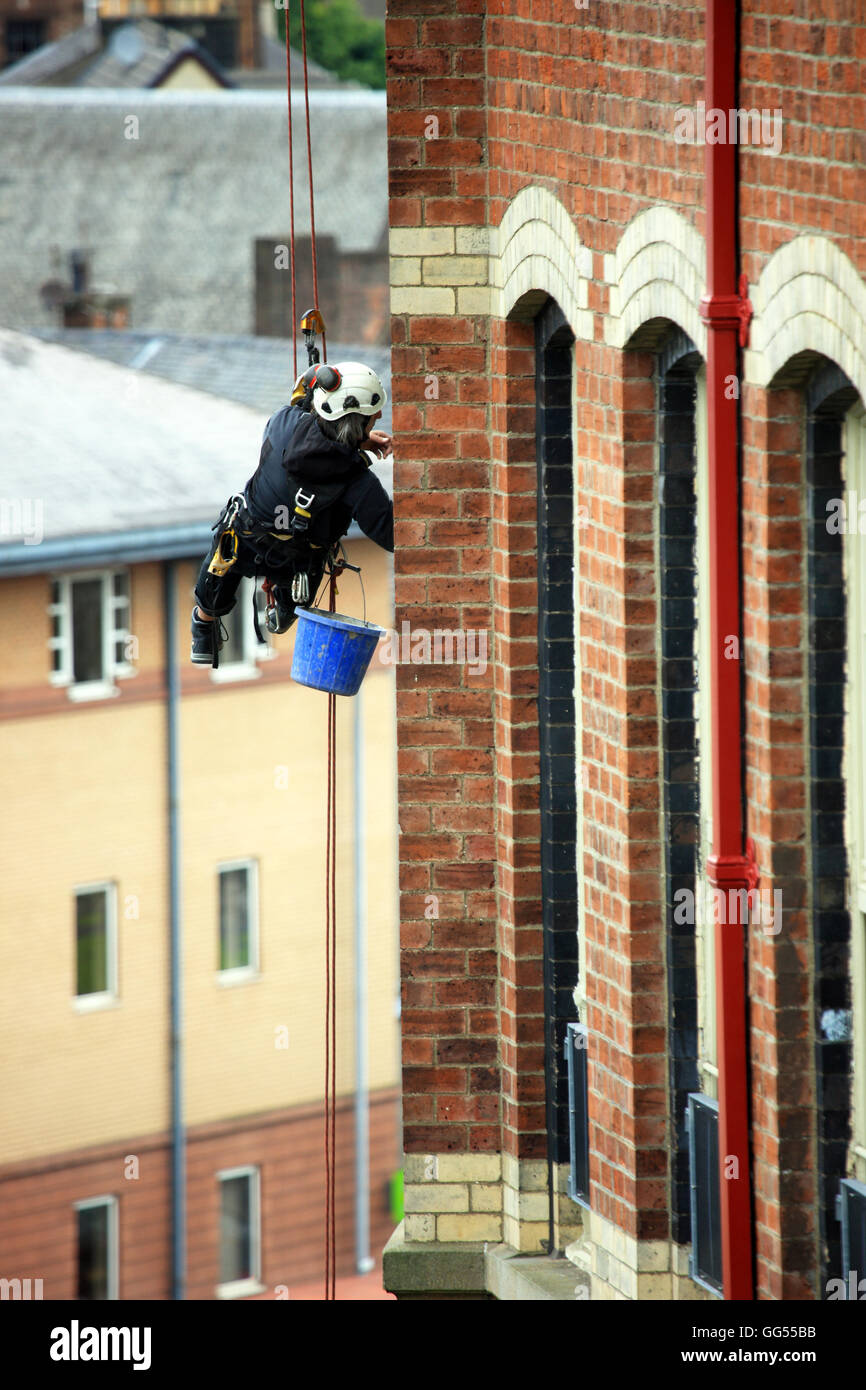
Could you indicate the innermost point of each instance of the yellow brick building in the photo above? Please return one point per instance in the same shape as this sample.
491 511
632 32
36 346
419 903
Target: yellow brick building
174 1140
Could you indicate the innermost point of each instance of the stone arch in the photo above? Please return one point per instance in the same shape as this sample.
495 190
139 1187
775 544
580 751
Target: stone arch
535 253
809 301
656 277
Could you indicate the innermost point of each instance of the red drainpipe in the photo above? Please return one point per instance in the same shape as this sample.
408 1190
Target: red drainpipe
731 864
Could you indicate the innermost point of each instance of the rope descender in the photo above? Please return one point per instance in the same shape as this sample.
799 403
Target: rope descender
313 326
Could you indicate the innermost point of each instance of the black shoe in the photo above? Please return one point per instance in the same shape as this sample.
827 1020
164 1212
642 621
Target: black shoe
282 614
203 636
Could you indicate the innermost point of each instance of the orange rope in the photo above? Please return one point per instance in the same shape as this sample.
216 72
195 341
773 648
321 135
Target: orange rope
331 836
310 176
291 193
331 996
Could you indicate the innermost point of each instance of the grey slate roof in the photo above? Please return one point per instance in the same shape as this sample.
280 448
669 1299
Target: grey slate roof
272 59
256 372
119 452
171 215
138 54
141 54
52 60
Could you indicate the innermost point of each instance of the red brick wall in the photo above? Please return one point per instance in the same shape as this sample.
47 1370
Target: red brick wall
582 101
777 732
443 579
38 1223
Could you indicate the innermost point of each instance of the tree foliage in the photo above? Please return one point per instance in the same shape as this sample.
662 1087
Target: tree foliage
340 38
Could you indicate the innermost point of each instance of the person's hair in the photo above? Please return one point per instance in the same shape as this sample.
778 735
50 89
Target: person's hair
349 429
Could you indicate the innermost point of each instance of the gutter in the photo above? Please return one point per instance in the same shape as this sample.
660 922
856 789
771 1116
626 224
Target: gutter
178 1135
146 544
731 865
106 548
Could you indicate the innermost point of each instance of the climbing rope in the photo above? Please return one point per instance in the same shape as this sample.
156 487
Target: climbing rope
291 195
313 254
331 836
310 179
331 990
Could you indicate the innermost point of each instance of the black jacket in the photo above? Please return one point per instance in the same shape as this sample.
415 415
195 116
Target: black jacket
292 438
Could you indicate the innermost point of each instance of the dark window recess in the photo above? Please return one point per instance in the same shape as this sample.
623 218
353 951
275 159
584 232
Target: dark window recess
829 395
677 364
273 282
236 1237
87 618
576 1039
852 1215
705 1263
91 942
554 353
23 36
93 1253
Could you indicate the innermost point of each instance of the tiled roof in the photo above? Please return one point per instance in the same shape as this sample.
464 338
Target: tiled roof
141 54
256 372
47 63
168 190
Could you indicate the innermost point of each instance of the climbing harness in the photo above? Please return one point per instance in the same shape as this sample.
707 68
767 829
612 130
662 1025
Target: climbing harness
226 552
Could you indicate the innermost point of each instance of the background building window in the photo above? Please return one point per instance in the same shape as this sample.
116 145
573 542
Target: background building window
238 911
97 1249
23 36
95 942
240 1235
242 650
90 638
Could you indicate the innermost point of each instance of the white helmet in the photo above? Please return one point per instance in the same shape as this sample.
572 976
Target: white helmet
343 387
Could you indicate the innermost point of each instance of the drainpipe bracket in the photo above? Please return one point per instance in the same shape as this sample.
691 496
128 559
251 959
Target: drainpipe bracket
729 311
734 870
720 310
745 310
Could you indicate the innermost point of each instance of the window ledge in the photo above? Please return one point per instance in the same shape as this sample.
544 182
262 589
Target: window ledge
236 671
92 1003
92 690
240 1288
238 976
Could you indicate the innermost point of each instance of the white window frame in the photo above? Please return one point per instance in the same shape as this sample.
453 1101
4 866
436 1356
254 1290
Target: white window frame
237 974
110 1202
705 943
578 541
243 1288
854 551
253 652
101 999
114 629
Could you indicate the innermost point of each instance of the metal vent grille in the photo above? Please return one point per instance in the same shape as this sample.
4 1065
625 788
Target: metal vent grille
852 1203
702 1121
575 1044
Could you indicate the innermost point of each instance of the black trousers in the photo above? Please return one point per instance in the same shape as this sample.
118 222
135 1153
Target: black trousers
217 594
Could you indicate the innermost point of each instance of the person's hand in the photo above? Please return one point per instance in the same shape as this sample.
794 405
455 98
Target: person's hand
378 443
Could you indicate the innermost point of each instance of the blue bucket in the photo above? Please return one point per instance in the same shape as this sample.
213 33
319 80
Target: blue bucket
332 652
